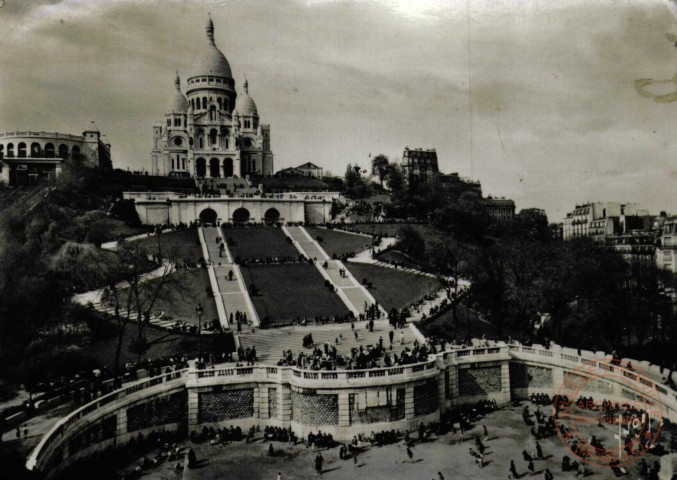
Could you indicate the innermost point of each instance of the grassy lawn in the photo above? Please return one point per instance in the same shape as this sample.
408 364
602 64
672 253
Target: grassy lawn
187 289
339 243
187 240
393 288
259 242
180 303
116 228
288 291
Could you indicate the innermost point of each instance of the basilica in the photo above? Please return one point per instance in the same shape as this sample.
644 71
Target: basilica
212 131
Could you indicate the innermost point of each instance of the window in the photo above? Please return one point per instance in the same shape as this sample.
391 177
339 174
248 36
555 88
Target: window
200 142
204 103
178 141
172 164
247 124
183 163
10 150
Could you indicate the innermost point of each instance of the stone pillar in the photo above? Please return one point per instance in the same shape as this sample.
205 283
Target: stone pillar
409 402
557 379
442 389
344 409
453 384
257 396
284 406
193 406
121 428
505 381
264 406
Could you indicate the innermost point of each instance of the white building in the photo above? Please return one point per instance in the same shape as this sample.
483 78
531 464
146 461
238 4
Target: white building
212 131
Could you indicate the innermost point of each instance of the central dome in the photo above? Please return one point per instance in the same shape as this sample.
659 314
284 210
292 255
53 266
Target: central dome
210 60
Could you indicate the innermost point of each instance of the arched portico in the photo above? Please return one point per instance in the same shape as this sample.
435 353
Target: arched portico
200 167
272 216
208 216
241 215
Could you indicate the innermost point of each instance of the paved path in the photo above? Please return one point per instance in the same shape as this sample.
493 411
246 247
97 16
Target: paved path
271 342
114 244
353 294
231 294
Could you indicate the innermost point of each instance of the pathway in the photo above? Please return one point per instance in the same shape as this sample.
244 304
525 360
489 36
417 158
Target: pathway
231 295
271 342
353 294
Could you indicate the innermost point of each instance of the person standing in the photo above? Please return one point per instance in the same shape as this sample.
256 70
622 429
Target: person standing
318 463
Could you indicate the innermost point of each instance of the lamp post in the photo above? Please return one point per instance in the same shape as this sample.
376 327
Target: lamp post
198 312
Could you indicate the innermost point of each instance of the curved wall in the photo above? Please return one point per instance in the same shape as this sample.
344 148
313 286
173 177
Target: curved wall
343 403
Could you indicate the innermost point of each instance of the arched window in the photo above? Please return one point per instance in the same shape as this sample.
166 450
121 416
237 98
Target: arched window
63 151
10 150
49 150
200 167
213 136
226 141
219 101
22 150
35 149
183 164
204 103
172 164
192 103
212 113
2 152
200 143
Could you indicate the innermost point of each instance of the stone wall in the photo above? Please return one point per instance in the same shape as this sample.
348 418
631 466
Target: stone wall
93 433
225 405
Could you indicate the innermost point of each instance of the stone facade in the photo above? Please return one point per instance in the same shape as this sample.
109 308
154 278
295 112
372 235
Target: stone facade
214 132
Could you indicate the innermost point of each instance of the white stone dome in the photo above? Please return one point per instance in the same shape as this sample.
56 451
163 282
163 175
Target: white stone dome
177 101
210 60
244 104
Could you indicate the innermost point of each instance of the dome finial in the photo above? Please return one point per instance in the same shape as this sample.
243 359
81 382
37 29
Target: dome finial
177 81
210 28
245 85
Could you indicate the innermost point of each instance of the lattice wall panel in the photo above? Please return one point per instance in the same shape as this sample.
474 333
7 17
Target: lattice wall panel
315 409
426 398
479 381
94 433
160 411
225 405
272 402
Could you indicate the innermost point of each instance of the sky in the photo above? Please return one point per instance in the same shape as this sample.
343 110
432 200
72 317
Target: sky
539 100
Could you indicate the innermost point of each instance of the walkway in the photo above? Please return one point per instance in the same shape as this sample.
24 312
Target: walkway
353 294
271 342
231 295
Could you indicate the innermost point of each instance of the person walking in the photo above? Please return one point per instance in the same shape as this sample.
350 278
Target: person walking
318 463
410 454
539 451
513 469
531 467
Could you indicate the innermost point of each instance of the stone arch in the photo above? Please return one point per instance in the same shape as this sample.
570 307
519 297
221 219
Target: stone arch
228 167
22 150
49 150
208 216
63 151
241 215
36 150
200 167
10 150
214 168
272 216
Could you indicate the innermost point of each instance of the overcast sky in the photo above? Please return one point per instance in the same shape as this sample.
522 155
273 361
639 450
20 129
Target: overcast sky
537 99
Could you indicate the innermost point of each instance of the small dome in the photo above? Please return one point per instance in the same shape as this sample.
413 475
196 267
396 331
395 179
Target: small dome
177 101
244 103
210 60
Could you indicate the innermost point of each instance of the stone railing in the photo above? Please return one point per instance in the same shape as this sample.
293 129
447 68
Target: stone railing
444 372
61 432
29 134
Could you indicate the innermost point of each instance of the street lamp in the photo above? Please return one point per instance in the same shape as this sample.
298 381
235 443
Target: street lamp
198 312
